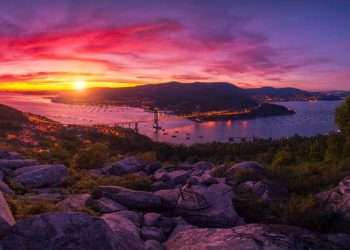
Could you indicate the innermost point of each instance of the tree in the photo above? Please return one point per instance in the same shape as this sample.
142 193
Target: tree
343 117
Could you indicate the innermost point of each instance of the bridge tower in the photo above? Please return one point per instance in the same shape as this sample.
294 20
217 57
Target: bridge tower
156 125
136 127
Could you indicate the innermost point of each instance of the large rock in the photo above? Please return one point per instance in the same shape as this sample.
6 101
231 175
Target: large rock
152 167
169 198
127 233
74 202
4 154
126 166
134 217
60 231
212 207
161 175
207 179
218 212
201 167
153 245
42 176
166 224
105 205
337 200
265 191
253 236
6 217
10 155
150 219
179 176
10 165
23 170
246 166
161 185
173 177
130 198
152 233
181 225
6 189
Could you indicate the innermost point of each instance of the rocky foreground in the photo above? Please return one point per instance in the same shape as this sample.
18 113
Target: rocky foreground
159 219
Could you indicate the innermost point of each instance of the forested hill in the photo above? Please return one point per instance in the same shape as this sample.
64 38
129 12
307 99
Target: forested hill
287 94
189 97
178 97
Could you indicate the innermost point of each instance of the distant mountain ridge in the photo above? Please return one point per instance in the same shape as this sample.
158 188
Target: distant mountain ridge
287 94
178 97
194 98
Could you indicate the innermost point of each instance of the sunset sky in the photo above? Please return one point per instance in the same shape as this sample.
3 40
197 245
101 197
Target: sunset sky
55 44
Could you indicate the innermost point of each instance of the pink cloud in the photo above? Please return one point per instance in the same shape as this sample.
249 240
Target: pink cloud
161 50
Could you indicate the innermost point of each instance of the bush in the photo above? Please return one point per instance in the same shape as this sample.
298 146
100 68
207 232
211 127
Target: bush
22 208
220 171
309 178
342 117
282 158
243 175
252 209
149 156
334 152
80 182
94 156
302 211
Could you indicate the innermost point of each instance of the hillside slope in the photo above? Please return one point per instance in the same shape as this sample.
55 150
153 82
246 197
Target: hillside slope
11 118
174 96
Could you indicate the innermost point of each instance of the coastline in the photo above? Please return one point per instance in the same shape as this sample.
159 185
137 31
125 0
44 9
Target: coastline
221 115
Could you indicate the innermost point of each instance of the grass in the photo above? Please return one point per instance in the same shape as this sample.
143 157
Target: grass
22 208
297 210
81 181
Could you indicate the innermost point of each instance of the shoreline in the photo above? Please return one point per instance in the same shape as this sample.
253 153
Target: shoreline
202 117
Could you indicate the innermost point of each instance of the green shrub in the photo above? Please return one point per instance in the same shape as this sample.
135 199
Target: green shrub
334 152
83 182
304 211
23 208
94 156
149 156
243 175
283 158
317 151
342 117
308 178
220 171
252 209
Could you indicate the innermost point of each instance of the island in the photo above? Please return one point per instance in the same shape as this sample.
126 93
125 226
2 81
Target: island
196 101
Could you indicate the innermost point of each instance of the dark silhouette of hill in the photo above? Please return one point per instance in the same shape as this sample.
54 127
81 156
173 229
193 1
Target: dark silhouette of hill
11 118
186 98
178 97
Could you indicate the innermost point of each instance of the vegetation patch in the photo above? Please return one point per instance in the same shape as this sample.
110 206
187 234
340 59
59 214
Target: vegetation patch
22 208
82 182
11 119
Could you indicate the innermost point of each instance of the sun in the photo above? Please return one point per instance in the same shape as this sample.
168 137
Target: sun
79 85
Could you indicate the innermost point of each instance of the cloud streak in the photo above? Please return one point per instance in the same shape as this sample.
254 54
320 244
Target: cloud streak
101 48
